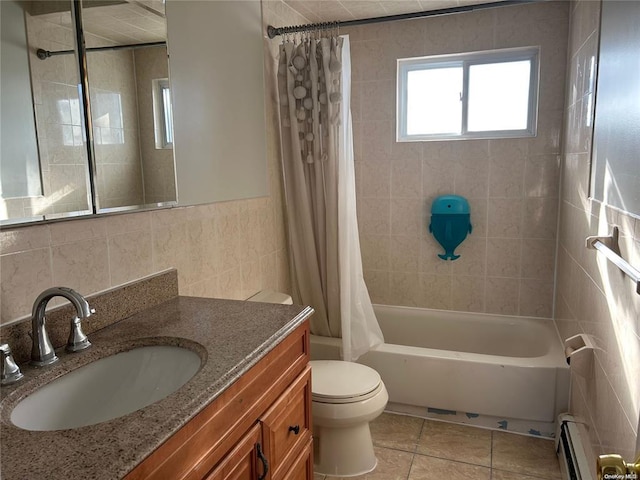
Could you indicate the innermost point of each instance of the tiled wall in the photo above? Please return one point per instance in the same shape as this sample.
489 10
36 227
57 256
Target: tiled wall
592 296
507 263
228 250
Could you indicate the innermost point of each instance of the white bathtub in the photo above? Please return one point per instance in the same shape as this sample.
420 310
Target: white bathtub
509 367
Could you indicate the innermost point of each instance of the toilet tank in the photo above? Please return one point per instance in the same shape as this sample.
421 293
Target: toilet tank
269 296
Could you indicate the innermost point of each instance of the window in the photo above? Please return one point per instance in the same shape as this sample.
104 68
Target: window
490 94
162 113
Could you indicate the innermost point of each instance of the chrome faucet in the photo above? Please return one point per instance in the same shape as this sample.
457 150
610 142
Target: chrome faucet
9 371
42 352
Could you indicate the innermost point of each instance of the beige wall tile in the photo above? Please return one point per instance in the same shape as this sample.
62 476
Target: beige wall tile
404 288
24 275
468 294
81 265
378 285
407 217
66 232
129 256
536 298
404 253
506 175
374 216
540 218
504 257
406 178
538 258
375 251
473 257
502 296
436 291
378 99
375 179
471 175
506 218
23 239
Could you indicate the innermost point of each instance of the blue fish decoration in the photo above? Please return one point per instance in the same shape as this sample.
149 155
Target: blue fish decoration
450 223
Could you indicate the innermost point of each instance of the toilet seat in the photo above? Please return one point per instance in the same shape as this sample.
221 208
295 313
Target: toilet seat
337 382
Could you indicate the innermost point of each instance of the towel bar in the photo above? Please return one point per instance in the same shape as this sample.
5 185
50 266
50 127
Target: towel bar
608 246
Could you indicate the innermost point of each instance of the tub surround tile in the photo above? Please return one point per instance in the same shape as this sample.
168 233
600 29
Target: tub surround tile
437 291
512 184
502 296
468 293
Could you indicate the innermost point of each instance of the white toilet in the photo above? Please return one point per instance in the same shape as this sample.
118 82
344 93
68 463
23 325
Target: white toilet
345 397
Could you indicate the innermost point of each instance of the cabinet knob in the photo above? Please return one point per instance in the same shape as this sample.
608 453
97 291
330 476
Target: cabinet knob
295 429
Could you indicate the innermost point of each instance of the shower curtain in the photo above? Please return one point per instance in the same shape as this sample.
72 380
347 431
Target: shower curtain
314 87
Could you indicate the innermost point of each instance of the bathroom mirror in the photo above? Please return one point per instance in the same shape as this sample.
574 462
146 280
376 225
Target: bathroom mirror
615 166
216 94
130 101
43 168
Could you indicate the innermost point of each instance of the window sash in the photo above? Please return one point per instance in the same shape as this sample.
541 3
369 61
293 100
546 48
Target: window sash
465 61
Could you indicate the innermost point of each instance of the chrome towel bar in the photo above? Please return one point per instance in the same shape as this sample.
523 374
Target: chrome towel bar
608 246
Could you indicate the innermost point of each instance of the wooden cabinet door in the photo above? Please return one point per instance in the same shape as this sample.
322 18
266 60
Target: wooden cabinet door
286 426
302 468
242 462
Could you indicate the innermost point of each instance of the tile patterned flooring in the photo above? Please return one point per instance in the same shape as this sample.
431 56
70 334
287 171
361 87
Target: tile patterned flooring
411 448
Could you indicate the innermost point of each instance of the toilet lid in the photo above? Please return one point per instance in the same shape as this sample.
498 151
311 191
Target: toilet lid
333 379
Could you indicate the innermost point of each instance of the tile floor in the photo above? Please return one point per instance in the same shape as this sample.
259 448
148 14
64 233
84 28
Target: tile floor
411 448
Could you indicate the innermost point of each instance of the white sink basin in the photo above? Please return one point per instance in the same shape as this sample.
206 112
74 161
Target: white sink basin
107 388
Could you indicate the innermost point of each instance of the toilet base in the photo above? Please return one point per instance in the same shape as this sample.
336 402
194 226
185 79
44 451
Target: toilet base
343 452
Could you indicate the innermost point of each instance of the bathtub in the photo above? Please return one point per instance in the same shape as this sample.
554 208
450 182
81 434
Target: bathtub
509 367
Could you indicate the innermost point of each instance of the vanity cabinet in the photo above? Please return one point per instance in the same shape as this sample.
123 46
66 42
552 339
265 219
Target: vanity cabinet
263 418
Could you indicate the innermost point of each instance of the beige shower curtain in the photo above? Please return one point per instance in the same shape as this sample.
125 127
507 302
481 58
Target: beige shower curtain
317 155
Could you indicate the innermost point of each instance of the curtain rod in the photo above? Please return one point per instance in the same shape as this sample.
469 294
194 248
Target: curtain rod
44 54
273 31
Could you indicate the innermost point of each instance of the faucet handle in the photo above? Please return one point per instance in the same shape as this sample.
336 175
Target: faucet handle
77 339
10 371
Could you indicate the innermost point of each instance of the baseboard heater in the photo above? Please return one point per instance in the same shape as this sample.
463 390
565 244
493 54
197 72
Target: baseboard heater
570 447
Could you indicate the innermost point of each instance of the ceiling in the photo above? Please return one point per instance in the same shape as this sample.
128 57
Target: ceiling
113 22
341 10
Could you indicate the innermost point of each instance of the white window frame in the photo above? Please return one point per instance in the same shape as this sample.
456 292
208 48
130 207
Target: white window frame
465 60
162 114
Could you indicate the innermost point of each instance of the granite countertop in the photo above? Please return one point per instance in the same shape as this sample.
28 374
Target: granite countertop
230 336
